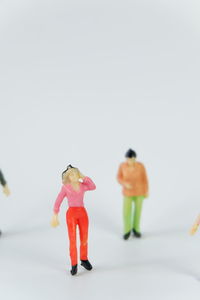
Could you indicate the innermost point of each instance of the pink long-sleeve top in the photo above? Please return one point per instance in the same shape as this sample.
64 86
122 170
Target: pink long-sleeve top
75 198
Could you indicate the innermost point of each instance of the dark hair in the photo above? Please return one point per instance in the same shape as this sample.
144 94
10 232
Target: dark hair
130 153
68 167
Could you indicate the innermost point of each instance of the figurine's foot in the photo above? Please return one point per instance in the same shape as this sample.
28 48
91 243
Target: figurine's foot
74 270
86 264
137 234
126 235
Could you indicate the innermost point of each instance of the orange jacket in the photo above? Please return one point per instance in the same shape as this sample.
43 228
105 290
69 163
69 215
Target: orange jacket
135 176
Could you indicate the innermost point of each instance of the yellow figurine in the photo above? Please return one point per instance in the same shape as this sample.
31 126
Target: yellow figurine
195 227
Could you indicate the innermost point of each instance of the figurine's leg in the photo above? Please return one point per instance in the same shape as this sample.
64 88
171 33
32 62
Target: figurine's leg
137 214
83 230
71 225
127 213
83 223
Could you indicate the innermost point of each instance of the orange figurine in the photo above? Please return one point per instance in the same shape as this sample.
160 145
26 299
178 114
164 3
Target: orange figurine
132 176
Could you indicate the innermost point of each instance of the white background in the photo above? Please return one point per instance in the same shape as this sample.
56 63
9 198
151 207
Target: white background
81 82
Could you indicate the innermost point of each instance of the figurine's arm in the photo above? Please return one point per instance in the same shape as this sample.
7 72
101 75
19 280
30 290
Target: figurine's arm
194 228
2 179
88 184
145 180
121 179
59 200
4 184
120 176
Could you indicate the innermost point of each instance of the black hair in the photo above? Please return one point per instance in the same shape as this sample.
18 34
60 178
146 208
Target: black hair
68 167
130 153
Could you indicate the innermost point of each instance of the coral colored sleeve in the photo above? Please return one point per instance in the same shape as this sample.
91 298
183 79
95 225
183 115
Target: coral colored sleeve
120 175
59 200
145 181
88 184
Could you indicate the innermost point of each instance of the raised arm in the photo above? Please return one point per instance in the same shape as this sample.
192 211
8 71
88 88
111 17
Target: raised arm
88 184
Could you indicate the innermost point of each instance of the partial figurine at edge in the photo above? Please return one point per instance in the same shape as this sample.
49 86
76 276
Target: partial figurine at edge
74 186
195 226
6 190
132 176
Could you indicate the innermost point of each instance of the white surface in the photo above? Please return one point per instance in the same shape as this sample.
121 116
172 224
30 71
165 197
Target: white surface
161 265
81 82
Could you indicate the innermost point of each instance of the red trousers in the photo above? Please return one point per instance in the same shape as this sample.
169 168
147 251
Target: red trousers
77 216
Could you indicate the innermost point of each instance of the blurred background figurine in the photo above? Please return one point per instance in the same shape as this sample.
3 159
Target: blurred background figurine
74 187
195 227
5 187
132 176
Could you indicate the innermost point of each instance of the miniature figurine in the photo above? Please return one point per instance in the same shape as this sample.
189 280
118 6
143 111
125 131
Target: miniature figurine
195 227
132 176
74 187
5 187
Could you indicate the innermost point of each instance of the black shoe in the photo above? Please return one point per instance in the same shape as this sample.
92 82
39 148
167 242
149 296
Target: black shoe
126 235
86 264
74 270
137 234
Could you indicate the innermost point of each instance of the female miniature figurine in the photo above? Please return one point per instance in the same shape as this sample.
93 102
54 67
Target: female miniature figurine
132 176
5 187
74 187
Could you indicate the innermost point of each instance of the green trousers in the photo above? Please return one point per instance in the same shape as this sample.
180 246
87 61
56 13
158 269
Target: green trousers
132 220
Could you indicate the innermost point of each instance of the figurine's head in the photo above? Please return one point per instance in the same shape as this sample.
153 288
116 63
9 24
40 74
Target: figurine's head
130 156
71 175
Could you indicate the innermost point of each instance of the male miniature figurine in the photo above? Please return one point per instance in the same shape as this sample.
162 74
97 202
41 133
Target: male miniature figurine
5 187
132 176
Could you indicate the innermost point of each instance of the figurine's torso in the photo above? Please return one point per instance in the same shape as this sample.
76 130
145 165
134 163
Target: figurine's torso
134 175
74 197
